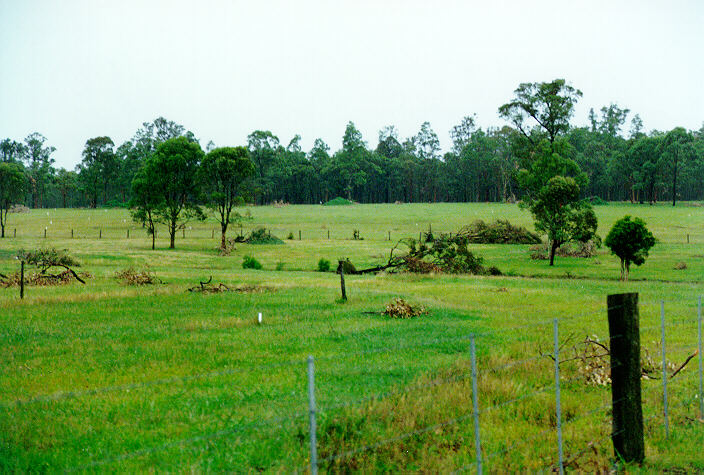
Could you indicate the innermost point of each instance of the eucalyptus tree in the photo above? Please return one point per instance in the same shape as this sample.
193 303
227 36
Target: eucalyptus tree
222 174
39 166
98 169
541 109
12 188
12 151
172 171
676 155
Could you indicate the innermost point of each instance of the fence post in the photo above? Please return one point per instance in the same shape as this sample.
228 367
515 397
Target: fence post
328 234
212 233
311 409
343 290
44 233
183 231
100 233
627 409
558 409
71 233
475 405
701 385
14 235
664 369
389 235
21 279
299 234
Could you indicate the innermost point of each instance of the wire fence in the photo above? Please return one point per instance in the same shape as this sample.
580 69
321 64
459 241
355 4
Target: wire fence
548 410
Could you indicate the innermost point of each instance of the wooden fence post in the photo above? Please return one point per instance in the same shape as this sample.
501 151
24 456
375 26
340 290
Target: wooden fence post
22 280
624 337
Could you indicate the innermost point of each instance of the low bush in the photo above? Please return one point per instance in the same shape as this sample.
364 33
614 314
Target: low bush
339 201
262 235
250 262
323 265
597 201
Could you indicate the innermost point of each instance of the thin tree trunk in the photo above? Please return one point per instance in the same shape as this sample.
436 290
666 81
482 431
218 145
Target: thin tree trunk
553 248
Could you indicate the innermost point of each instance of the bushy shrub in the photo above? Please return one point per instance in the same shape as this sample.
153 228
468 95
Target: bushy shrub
290 236
597 201
262 235
323 265
339 201
250 262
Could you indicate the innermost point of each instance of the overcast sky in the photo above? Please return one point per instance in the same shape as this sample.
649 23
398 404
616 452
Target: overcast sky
73 70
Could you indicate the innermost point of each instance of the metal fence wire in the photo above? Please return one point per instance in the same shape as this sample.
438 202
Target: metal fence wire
476 417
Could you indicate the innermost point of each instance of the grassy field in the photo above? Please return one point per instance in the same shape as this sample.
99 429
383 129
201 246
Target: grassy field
107 377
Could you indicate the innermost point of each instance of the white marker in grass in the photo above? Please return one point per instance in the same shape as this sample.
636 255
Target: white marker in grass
259 318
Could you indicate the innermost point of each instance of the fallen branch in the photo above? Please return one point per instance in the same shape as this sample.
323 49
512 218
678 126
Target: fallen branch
696 352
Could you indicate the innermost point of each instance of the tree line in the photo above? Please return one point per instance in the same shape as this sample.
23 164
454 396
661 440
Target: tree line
482 165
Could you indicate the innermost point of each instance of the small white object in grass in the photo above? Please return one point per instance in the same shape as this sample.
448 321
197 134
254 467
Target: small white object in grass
51 221
259 318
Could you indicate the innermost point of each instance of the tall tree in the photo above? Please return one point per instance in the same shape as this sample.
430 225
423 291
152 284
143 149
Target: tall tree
222 173
547 106
12 151
172 171
461 133
676 154
146 200
98 168
12 188
559 213
39 164
66 183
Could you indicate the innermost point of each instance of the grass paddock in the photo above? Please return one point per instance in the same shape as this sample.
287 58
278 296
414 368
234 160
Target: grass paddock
106 376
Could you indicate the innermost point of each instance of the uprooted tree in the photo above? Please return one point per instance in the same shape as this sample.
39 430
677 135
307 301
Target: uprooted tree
45 260
443 253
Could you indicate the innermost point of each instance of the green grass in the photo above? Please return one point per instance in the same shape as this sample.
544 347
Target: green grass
246 409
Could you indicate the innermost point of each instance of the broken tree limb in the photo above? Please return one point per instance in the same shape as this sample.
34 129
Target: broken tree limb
684 364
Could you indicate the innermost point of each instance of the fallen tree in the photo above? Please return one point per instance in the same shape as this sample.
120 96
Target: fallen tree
441 254
45 260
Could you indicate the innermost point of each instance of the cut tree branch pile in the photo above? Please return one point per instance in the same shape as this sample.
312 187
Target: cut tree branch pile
594 358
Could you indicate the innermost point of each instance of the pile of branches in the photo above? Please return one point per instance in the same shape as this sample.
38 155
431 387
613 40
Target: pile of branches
498 232
208 287
46 260
440 254
132 276
594 361
259 235
569 249
399 308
